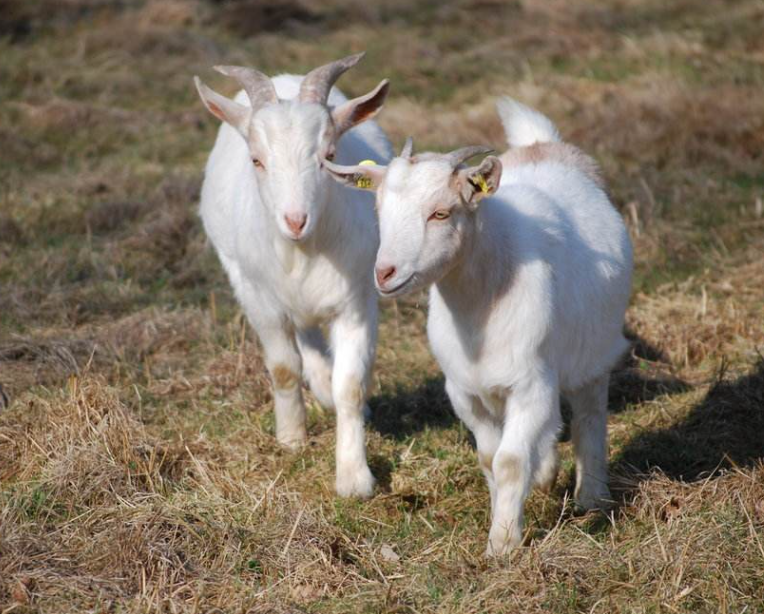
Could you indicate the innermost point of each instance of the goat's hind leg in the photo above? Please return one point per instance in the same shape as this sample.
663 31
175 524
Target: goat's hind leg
589 431
317 364
545 476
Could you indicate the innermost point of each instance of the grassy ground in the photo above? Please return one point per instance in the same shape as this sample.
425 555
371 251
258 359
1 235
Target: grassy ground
138 469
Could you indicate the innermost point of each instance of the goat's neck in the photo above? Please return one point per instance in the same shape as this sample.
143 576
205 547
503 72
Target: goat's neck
481 272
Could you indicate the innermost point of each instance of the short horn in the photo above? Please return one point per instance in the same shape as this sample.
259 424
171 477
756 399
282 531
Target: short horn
318 82
408 148
258 86
455 158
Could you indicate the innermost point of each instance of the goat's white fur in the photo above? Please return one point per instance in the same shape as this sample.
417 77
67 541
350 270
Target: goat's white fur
525 126
290 289
530 287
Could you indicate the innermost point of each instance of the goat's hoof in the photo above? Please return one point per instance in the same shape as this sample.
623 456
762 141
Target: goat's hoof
501 542
594 499
358 483
293 442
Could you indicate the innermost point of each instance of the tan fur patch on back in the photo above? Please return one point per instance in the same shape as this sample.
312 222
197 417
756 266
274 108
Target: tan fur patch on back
284 378
564 153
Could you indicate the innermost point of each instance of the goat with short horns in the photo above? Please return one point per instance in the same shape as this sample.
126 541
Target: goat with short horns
530 267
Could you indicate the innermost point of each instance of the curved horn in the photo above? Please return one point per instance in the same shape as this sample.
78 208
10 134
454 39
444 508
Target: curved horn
455 158
408 148
318 82
258 86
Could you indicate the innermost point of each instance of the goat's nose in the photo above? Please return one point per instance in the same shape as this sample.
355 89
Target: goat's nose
296 222
384 274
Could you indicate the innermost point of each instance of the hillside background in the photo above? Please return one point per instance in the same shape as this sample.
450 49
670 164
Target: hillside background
138 468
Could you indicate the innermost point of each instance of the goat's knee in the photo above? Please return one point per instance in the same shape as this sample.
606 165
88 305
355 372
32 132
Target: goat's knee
284 378
291 430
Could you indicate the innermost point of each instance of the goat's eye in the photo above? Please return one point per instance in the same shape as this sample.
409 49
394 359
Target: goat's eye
330 156
440 214
257 163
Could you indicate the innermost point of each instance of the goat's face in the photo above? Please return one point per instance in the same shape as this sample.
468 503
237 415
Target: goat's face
287 143
426 207
289 139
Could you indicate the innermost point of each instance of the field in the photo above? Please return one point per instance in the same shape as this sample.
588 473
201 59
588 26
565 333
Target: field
138 467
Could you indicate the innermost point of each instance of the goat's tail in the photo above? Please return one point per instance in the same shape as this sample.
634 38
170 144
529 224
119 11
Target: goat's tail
524 126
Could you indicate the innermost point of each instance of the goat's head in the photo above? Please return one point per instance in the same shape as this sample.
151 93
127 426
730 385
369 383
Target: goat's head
289 139
426 205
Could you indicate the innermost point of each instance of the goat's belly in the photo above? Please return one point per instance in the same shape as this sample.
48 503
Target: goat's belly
309 316
306 306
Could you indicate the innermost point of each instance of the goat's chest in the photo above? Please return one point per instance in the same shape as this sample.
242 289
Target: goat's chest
309 289
471 356
461 353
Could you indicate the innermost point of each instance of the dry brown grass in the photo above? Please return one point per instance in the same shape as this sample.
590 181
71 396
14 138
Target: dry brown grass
138 468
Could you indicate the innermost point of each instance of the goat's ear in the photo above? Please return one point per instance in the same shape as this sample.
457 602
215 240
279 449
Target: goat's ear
477 182
353 112
223 108
361 176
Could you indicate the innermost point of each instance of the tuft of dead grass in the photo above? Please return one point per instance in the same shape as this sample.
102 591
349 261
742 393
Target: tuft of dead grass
697 321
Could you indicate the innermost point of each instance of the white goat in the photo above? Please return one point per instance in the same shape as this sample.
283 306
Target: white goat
530 284
298 249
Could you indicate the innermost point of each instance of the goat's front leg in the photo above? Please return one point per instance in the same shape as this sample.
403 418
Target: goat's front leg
285 368
487 432
530 432
354 339
282 359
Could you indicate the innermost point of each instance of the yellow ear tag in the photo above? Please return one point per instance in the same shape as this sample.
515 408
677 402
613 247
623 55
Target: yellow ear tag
481 182
365 182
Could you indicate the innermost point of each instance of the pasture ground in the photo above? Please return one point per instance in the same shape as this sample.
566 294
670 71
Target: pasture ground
138 469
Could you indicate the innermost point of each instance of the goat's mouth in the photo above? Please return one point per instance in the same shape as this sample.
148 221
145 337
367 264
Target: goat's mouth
401 288
296 238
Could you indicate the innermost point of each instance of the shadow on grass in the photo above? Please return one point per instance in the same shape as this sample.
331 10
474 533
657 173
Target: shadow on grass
643 377
726 429
404 412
